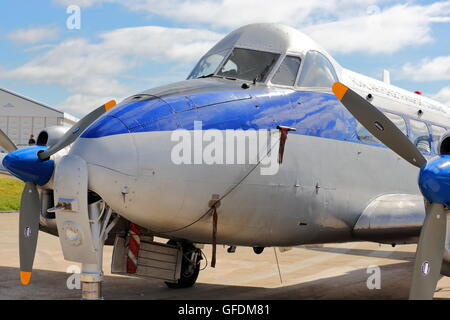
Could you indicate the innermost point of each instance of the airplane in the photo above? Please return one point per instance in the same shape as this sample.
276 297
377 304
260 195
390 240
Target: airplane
315 165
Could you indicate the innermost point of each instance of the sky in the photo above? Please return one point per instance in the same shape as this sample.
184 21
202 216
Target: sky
123 47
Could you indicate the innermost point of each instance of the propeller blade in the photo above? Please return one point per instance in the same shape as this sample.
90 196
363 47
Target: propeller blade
378 124
30 208
76 130
429 255
6 143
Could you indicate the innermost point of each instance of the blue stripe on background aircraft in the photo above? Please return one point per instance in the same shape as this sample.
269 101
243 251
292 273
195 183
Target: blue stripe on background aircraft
315 167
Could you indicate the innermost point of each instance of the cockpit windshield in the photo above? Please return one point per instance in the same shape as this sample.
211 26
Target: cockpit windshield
244 64
248 64
208 65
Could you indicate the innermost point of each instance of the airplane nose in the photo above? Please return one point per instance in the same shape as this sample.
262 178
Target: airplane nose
25 165
108 144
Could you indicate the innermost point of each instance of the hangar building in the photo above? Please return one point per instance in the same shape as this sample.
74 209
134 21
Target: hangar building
20 117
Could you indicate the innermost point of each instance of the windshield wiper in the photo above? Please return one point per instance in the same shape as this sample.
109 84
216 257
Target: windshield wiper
206 76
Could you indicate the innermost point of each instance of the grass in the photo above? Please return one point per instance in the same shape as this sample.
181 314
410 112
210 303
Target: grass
10 192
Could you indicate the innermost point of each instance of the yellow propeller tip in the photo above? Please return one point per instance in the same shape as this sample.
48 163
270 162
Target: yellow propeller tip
339 90
25 277
110 104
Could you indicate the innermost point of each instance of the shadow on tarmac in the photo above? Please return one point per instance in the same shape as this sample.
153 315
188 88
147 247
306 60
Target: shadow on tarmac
395 281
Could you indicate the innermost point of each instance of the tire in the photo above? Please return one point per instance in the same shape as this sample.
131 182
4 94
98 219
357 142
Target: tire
187 279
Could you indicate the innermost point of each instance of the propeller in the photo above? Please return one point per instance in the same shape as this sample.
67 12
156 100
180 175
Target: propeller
76 130
30 207
6 143
33 166
433 183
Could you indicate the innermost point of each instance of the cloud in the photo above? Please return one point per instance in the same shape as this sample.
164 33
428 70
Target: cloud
159 43
386 31
343 26
436 69
235 13
33 35
92 70
75 102
443 96
82 3
227 13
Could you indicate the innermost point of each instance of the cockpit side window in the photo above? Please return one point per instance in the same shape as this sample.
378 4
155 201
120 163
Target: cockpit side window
208 64
420 135
287 72
246 64
437 133
398 121
317 72
364 135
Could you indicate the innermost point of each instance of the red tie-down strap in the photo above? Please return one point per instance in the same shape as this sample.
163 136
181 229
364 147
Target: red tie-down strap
214 238
214 203
283 137
134 243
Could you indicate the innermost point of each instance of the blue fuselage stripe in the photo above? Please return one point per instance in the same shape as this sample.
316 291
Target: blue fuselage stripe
310 113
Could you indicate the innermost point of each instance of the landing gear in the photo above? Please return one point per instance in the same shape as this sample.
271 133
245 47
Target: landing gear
91 282
190 266
84 222
92 274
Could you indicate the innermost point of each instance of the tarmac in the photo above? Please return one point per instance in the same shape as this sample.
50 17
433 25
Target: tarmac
331 271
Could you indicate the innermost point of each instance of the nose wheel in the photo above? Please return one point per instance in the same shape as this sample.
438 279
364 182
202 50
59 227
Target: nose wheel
190 266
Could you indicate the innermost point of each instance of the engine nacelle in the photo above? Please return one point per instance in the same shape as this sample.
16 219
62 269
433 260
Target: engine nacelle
444 144
50 135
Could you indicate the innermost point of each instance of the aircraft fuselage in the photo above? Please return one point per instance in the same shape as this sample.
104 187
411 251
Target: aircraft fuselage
327 178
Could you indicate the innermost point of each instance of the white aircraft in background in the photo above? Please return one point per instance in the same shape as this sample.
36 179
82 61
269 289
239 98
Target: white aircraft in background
320 174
